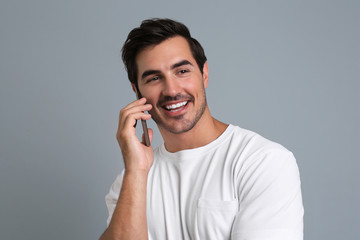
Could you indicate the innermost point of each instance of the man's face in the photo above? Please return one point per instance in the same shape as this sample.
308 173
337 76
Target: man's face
170 79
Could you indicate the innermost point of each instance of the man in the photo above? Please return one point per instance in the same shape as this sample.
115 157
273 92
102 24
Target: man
208 180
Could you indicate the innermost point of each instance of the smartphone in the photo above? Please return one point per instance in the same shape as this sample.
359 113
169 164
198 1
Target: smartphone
143 122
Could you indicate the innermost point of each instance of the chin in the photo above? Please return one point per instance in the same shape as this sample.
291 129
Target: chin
179 124
177 128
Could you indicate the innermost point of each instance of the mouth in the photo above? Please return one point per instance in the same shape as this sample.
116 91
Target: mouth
175 107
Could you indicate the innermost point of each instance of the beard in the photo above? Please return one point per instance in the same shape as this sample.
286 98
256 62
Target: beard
181 125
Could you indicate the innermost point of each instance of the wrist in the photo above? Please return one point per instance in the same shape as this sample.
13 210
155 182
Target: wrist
136 172
136 178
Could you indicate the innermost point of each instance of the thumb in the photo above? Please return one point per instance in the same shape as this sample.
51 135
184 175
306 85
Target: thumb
151 134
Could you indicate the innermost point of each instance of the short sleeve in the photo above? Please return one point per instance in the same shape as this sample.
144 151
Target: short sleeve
112 197
270 201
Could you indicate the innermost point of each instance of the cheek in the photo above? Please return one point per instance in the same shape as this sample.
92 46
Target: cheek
150 99
196 88
149 94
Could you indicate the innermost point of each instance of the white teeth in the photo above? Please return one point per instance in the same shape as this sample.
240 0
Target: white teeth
174 106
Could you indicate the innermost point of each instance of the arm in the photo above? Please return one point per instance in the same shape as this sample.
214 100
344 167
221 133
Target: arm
129 217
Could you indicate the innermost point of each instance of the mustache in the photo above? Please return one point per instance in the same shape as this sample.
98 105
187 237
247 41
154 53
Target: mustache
177 97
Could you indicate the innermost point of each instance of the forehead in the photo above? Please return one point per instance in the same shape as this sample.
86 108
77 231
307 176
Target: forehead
165 54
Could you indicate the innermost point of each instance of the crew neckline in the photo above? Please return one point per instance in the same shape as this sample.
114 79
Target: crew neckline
195 152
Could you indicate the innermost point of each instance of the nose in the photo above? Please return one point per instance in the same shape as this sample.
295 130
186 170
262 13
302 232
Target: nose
171 87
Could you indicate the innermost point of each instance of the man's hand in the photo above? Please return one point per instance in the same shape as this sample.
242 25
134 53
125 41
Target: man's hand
129 218
137 156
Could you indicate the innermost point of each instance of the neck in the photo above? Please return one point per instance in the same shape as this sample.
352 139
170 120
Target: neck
206 130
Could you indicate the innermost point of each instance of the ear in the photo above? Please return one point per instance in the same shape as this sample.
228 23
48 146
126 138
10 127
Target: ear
133 87
206 74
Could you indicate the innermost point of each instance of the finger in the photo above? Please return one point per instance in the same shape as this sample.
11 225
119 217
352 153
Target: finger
127 126
136 112
137 102
150 132
131 119
135 108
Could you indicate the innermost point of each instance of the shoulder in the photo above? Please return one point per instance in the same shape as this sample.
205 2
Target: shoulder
251 143
258 156
261 160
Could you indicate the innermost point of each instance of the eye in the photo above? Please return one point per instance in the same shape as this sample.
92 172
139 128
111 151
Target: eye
152 79
182 71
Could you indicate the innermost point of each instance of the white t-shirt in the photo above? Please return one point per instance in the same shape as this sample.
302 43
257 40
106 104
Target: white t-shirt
240 186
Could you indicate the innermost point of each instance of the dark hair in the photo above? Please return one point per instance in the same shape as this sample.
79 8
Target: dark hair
153 32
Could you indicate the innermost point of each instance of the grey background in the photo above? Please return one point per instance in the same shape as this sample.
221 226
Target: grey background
288 70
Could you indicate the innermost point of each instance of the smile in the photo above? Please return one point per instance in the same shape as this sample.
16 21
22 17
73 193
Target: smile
175 107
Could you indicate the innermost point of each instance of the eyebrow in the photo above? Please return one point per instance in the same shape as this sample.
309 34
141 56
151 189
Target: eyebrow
181 63
175 65
149 72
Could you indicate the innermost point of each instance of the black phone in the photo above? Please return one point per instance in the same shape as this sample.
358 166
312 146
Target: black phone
143 122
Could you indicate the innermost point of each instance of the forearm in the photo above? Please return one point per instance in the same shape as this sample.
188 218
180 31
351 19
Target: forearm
129 217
